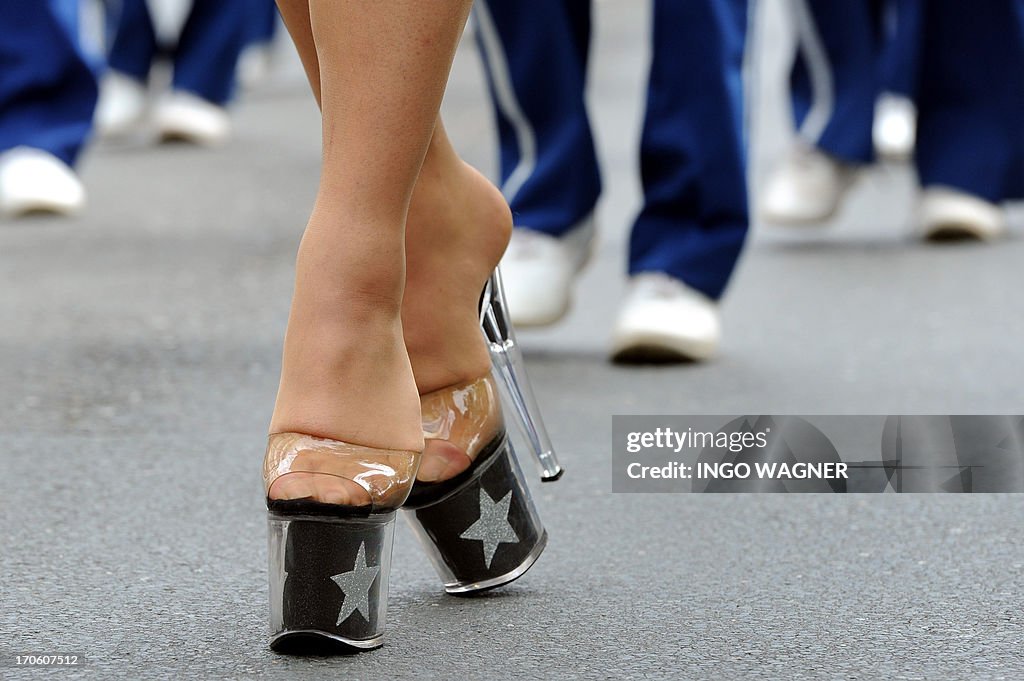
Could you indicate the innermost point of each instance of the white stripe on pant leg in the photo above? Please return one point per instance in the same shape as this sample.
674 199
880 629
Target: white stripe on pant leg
820 70
507 102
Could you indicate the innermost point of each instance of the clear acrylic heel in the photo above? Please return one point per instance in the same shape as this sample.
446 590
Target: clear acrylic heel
481 529
509 367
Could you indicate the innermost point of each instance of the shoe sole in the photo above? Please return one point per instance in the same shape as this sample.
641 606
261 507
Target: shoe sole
469 590
184 137
946 215
311 642
959 233
651 354
647 350
40 211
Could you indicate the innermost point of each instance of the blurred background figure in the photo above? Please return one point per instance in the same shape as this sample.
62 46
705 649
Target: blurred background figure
964 65
852 57
204 54
261 30
47 97
895 124
688 236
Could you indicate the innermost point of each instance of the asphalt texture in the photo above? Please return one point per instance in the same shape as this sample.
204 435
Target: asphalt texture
139 352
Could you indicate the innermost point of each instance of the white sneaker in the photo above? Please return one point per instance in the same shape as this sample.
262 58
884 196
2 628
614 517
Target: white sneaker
254 65
807 187
895 129
34 181
183 116
946 214
664 320
121 108
538 272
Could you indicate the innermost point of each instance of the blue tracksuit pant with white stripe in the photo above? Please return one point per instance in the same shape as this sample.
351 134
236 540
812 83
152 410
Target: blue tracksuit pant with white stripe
694 218
969 86
47 90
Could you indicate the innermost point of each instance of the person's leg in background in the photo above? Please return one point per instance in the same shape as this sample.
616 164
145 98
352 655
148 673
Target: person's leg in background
689 234
895 113
902 48
970 151
134 45
205 62
260 30
47 96
836 80
535 54
124 88
834 84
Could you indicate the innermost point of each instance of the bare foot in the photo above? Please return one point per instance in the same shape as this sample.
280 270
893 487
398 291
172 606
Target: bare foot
346 375
459 226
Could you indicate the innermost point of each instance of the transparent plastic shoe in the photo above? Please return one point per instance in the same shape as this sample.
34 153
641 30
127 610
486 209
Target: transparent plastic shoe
507 359
481 528
329 563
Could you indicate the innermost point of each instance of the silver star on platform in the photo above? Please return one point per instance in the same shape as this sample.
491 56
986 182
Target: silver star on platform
493 527
356 586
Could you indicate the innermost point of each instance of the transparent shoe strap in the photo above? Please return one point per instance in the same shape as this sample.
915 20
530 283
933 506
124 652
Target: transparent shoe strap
386 475
510 369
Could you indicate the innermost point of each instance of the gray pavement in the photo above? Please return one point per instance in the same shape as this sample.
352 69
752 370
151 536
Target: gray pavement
139 353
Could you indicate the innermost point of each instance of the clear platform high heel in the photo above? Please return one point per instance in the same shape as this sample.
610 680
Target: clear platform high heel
481 528
507 360
329 564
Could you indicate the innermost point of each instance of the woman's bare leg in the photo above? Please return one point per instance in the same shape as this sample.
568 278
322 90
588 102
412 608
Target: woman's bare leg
296 18
457 230
454 205
382 69
458 227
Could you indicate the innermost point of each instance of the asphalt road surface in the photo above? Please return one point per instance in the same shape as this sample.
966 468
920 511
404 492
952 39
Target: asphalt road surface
139 350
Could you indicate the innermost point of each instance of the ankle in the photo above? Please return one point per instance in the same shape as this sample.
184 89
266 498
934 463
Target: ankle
442 360
348 379
460 204
359 278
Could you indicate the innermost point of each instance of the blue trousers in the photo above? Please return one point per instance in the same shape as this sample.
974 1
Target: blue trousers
902 47
47 90
967 74
261 26
970 125
694 218
207 51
